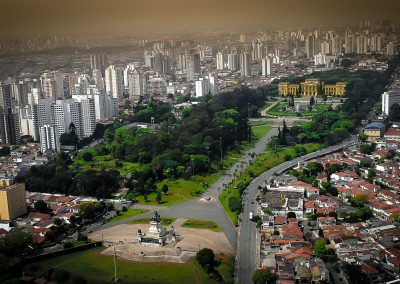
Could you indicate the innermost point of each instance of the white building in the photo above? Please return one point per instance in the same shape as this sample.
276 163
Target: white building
65 113
88 114
266 66
202 87
53 85
213 81
220 60
113 79
27 126
389 99
49 139
135 85
245 64
233 62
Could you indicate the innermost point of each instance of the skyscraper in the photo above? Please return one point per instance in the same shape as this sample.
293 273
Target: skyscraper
202 87
310 46
213 81
266 66
245 64
135 85
113 78
220 60
88 114
98 61
65 113
53 85
49 139
9 127
233 62
193 66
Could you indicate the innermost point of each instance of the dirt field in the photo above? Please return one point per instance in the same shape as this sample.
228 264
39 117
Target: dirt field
192 239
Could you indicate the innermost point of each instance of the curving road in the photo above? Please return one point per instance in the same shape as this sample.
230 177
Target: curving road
248 235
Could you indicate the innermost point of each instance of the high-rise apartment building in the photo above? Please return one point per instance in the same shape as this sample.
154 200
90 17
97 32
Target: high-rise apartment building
193 67
220 60
67 113
53 85
9 127
135 85
245 64
389 99
88 114
310 46
202 87
266 65
13 202
233 64
49 139
113 79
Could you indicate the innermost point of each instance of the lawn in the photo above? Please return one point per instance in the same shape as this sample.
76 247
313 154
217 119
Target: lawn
264 162
202 224
280 110
165 221
130 213
96 268
100 162
225 266
260 131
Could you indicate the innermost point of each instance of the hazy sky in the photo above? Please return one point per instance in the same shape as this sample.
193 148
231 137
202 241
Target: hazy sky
43 16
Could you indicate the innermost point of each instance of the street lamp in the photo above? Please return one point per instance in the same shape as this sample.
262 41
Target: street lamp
192 166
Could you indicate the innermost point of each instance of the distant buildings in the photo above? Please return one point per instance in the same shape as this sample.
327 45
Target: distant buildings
13 201
266 64
220 61
245 64
233 64
389 99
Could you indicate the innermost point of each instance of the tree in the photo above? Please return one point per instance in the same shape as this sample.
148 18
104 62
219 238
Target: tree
312 101
264 276
41 206
363 137
165 189
87 156
320 248
291 215
367 149
359 200
355 274
61 275
69 138
79 280
158 197
235 204
5 151
205 257
314 168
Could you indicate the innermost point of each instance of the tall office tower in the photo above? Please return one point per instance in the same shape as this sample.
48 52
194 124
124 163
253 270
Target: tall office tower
13 201
26 122
233 62
310 46
20 93
113 80
98 61
135 85
266 66
98 79
213 81
349 44
362 44
193 67
49 139
337 45
245 64
202 87
220 61
130 67
9 127
389 99
242 38
53 85
376 43
149 59
390 49
158 62
66 113
325 48
111 106
88 114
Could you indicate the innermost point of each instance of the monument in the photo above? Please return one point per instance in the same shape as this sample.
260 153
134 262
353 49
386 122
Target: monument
157 234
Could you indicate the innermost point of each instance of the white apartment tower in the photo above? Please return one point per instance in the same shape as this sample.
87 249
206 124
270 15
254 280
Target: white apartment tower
49 139
113 79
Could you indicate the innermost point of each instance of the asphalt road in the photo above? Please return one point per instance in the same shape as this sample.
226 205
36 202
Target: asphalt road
247 243
196 209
